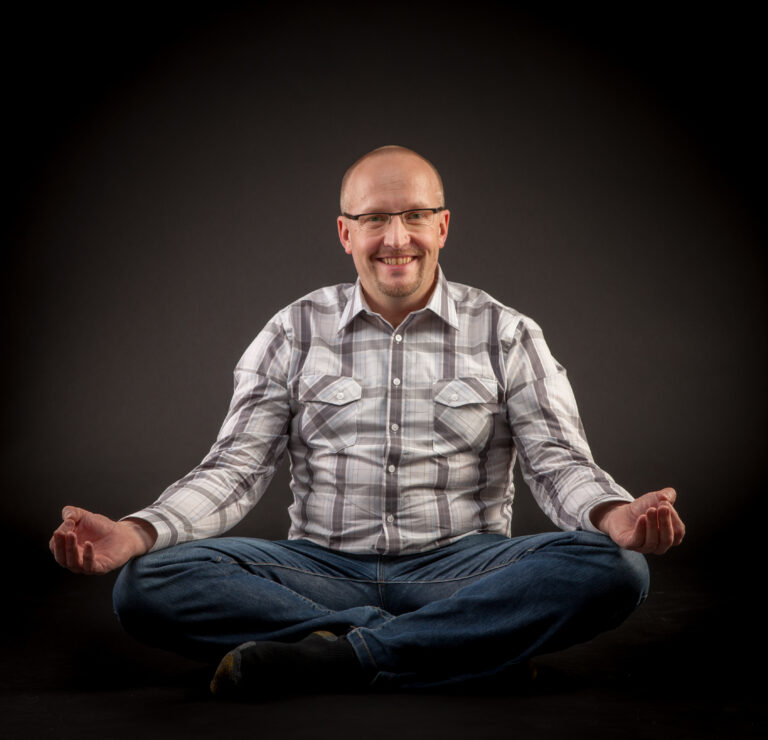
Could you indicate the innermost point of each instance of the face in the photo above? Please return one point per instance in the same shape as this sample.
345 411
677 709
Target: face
397 267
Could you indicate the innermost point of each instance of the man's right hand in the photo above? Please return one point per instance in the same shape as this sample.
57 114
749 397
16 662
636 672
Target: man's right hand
94 544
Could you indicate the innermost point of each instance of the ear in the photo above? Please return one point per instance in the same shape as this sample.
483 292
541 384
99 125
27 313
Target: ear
445 218
341 222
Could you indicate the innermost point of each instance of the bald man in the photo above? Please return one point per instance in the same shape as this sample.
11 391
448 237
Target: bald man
404 401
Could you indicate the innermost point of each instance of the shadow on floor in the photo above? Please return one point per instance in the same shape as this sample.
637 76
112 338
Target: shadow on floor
678 668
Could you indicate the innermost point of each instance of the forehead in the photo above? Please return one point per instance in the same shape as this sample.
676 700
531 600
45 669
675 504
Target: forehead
392 182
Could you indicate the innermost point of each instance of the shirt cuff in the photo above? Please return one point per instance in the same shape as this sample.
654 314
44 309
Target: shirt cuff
620 497
166 536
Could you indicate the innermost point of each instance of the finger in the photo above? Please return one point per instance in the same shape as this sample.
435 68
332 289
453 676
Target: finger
72 554
678 526
58 544
72 513
67 525
668 494
666 530
88 558
651 531
637 540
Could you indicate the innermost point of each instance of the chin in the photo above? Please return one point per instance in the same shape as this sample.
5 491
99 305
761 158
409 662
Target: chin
399 291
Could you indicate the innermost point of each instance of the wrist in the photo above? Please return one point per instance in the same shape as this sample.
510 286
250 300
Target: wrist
142 535
601 515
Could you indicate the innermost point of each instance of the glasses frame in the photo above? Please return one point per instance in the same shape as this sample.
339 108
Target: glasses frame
355 217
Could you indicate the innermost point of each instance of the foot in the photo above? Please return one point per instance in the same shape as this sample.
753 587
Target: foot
320 662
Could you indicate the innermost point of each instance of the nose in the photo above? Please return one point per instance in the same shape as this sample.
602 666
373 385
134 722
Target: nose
396 235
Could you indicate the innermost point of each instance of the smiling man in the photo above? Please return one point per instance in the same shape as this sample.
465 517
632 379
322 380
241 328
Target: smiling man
399 226
404 401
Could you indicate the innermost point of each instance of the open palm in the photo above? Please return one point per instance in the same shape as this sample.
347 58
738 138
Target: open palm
650 524
94 544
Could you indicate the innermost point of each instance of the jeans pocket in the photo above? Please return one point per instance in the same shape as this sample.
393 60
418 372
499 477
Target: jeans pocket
464 410
329 406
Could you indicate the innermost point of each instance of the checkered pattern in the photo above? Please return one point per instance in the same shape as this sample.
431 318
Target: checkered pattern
400 440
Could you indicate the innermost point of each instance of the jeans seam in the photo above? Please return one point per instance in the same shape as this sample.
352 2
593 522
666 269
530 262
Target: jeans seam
314 604
377 581
365 645
380 583
471 575
302 571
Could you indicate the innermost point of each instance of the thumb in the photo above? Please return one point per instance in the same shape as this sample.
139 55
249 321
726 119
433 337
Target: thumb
73 513
652 500
667 494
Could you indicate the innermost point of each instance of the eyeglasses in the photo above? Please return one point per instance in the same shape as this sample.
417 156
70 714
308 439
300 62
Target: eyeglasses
413 220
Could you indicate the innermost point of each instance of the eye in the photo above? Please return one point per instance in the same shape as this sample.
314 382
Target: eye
416 217
374 221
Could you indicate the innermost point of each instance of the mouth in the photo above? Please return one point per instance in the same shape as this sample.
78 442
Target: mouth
396 260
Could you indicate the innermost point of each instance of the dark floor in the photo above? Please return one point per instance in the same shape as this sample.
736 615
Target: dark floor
681 667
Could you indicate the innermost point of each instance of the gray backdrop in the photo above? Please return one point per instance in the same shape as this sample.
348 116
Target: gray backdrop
173 179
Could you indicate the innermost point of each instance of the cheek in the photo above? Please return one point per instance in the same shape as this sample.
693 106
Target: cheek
362 260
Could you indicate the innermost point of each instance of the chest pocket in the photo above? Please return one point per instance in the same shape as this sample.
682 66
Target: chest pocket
464 411
329 409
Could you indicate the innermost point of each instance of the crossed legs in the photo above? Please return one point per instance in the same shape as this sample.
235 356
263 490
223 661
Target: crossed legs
471 609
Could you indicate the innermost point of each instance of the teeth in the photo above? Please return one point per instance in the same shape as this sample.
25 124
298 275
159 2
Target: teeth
396 260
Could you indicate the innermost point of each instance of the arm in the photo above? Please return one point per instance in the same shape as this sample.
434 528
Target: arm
557 463
555 459
216 494
94 544
230 480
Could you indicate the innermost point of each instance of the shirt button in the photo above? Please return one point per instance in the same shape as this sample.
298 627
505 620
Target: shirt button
390 518
340 395
395 427
398 337
391 468
396 381
454 396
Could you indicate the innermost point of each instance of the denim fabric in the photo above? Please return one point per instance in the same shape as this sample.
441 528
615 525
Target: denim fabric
471 609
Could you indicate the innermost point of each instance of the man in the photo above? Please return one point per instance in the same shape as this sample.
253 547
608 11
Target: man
403 401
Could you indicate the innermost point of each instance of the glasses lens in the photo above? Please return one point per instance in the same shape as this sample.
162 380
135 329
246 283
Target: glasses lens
416 219
373 221
411 219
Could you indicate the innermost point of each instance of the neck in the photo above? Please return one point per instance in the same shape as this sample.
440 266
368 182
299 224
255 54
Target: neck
396 309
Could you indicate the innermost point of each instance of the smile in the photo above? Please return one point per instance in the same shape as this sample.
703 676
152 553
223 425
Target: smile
396 260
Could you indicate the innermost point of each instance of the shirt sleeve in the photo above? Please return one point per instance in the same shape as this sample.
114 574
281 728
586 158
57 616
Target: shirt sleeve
555 459
233 476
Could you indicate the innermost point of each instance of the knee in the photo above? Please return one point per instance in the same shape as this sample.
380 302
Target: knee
132 595
148 594
631 577
615 580
625 581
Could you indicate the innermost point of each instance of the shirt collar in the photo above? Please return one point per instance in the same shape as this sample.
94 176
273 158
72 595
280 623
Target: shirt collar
440 303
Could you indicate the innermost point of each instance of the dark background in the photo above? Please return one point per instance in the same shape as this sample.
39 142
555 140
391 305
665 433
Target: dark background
171 176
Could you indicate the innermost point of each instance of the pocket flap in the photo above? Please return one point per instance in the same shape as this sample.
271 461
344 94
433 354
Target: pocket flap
329 389
463 391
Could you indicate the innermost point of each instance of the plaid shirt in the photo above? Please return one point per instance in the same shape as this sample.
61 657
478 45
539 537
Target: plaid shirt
400 440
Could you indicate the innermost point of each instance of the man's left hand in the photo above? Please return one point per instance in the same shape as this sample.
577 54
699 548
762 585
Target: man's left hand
649 524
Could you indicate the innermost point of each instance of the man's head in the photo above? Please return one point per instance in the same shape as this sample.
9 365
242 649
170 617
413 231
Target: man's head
395 257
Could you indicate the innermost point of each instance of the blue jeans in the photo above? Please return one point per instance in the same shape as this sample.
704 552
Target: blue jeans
471 609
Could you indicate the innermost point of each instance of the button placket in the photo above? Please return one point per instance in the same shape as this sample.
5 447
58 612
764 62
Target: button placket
393 421
393 459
